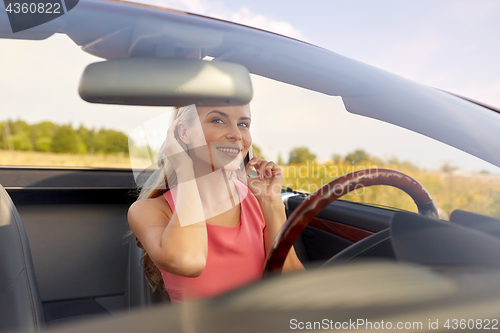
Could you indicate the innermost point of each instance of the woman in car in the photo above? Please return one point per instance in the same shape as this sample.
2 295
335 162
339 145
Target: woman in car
206 227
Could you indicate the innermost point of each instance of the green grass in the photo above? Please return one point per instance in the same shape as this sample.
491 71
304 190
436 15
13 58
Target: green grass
31 158
479 193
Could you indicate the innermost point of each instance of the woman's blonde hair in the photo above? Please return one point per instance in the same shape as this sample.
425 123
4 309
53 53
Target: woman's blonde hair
162 180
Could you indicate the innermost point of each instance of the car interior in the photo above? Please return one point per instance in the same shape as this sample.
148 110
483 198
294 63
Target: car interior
66 253
61 275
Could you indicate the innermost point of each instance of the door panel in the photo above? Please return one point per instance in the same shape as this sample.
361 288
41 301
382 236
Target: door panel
76 222
78 250
338 226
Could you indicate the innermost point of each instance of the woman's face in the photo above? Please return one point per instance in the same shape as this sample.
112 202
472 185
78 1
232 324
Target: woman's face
225 131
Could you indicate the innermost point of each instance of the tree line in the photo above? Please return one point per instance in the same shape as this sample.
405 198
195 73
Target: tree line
49 137
300 155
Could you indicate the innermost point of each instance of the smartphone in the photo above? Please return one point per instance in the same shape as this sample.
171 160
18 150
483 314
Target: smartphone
252 173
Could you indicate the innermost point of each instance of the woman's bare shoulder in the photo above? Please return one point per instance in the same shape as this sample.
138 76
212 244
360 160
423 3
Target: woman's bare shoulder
147 211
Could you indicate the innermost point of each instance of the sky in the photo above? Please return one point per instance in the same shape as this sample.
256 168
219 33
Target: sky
447 44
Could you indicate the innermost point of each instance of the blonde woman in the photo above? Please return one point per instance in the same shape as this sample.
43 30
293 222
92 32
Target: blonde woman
206 227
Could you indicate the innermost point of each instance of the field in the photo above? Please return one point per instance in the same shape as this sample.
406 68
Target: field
31 158
478 193
450 190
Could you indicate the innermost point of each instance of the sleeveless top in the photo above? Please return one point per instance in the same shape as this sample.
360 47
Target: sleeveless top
236 254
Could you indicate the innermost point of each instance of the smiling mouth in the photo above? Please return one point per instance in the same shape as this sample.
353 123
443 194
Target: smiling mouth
229 150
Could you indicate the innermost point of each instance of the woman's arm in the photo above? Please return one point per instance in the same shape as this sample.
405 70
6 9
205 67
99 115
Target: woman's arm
267 189
173 246
176 242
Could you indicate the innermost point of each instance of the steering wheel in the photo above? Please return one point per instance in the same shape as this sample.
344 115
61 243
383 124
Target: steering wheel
315 203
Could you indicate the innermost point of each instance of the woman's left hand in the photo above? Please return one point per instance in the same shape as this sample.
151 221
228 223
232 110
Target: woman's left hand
267 185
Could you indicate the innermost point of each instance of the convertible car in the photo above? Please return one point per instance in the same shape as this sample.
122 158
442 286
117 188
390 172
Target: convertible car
412 243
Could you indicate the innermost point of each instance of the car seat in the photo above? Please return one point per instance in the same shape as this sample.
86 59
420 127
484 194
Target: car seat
138 293
20 303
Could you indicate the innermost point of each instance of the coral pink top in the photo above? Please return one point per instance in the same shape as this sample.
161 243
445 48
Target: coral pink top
236 254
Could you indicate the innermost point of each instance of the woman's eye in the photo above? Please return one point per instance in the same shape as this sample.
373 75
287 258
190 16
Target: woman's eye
244 124
218 121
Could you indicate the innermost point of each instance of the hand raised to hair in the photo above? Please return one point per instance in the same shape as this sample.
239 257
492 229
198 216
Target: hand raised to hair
174 152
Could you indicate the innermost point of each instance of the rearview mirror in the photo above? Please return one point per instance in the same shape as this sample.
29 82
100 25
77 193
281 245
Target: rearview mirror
166 82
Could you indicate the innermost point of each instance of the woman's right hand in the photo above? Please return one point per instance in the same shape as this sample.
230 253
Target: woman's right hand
174 152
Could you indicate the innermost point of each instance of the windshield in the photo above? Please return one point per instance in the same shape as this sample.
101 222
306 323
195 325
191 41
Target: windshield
317 114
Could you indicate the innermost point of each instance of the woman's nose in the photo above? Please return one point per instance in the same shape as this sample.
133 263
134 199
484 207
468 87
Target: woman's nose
234 132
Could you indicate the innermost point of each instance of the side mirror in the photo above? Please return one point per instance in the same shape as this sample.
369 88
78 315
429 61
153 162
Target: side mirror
166 82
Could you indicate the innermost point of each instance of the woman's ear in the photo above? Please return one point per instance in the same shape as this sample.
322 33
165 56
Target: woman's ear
182 133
